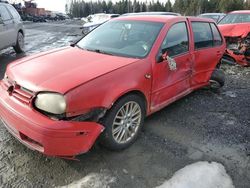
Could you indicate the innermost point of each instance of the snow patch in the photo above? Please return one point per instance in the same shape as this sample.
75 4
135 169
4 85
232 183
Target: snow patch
230 94
200 175
93 180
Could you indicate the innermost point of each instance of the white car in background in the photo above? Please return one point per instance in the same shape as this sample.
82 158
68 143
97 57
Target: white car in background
94 20
11 28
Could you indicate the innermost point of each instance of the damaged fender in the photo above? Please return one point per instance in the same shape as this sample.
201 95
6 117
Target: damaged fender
48 136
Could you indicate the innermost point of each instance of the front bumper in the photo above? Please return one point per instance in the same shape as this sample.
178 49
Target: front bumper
239 58
38 132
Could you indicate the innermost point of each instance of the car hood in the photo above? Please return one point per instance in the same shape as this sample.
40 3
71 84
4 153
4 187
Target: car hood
63 69
235 30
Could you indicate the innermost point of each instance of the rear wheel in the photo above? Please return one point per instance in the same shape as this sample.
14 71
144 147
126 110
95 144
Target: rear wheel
123 122
217 79
19 47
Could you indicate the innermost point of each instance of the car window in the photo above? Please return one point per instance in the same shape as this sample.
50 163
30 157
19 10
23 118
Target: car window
176 40
216 34
4 13
202 35
13 12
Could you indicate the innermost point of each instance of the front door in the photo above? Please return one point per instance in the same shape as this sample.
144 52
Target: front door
7 28
171 75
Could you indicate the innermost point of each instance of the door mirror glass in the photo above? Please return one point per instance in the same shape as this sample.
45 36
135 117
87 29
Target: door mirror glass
163 56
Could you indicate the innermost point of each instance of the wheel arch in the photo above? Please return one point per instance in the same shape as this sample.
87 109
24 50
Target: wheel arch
21 31
132 92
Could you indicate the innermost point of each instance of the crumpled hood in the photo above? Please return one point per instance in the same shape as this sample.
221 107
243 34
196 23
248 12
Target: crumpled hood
63 69
235 30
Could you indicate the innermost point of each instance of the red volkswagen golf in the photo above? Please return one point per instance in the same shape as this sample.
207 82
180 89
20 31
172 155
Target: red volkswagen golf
59 102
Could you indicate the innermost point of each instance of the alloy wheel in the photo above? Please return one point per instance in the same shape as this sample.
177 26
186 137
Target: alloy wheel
126 122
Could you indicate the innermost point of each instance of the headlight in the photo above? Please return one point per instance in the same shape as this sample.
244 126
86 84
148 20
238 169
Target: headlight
51 102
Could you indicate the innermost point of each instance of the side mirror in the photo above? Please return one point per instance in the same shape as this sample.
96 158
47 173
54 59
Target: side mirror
162 56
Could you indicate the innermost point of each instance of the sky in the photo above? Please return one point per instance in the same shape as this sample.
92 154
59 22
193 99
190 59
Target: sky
59 5
54 5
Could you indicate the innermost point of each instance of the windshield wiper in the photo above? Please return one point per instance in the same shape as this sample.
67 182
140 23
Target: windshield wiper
99 51
73 45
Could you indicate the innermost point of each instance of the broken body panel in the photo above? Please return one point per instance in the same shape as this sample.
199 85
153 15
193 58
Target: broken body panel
237 37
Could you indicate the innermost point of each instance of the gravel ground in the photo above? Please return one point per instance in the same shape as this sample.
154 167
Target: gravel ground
204 126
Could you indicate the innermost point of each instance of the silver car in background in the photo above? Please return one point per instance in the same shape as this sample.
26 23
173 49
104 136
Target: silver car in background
215 16
11 28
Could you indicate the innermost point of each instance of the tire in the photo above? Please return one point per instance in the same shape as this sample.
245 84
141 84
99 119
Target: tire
19 47
116 124
217 79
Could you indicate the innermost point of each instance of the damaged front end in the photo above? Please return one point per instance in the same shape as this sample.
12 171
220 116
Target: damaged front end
238 50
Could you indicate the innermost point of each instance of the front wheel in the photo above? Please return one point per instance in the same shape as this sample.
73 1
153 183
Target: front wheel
19 47
123 122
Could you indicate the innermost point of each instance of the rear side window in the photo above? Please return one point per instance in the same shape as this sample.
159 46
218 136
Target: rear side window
4 13
203 37
176 40
216 34
13 12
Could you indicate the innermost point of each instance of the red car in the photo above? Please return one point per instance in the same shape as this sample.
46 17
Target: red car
60 102
235 27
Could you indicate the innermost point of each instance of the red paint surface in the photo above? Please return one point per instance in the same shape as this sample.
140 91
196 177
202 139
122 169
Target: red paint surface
240 59
236 30
90 80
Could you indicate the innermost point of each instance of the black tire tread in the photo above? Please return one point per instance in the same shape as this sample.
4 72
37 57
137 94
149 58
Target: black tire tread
106 139
17 47
219 76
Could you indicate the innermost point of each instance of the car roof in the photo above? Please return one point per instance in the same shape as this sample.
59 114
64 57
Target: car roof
240 12
161 18
212 14
153 18
103 14
152 13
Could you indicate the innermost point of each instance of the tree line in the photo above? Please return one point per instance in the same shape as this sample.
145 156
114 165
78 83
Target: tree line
81 8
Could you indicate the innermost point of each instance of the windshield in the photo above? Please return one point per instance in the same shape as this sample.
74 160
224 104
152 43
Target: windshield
235 18
122 38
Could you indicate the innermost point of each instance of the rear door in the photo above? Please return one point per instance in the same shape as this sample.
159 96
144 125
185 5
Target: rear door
207 51
7 28
172 75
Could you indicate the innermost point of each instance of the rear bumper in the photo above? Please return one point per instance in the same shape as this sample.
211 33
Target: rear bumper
240 59
38 132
